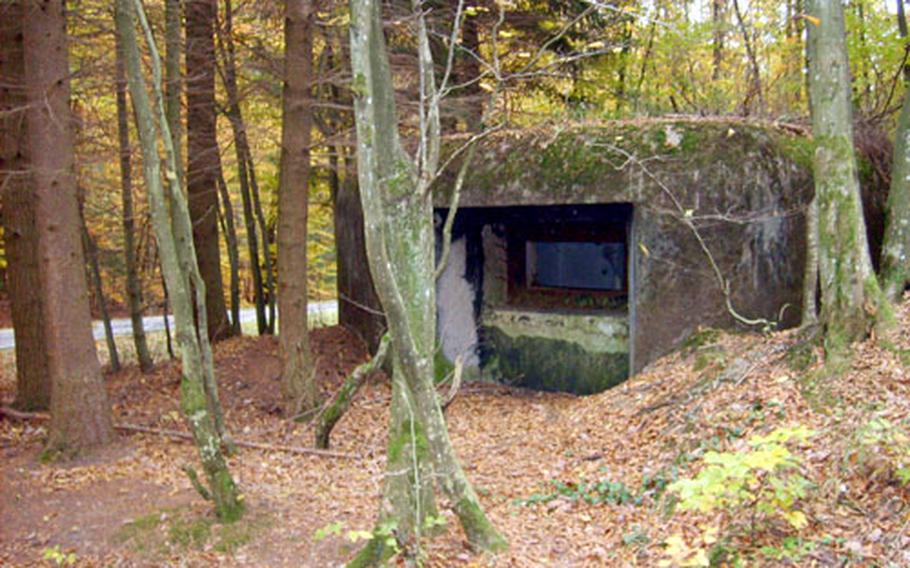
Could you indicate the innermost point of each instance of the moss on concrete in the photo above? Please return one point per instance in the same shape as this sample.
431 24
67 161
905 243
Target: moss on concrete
556 365
587 163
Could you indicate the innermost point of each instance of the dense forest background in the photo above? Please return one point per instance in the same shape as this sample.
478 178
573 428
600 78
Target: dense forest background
191 156
621 60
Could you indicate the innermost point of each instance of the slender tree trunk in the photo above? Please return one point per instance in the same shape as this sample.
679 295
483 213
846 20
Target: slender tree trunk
342 399
167 325
717 42
133 284
173 47
755 73
202 149
298 381
244 162
266 245
851 297
20 236
902 30
398 217
80 413
91 253
645 62
810 278
895 268
173 229
226 218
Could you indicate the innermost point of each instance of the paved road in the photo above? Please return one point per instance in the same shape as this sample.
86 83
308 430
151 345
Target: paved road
122 326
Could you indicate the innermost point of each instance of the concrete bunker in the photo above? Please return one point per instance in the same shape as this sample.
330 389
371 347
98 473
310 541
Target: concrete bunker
611 202
538 296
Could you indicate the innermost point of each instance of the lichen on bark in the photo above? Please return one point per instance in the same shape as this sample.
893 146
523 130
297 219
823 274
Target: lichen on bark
851 298
398 219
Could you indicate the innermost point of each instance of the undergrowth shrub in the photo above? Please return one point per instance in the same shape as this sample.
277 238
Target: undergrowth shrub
746 492
880 452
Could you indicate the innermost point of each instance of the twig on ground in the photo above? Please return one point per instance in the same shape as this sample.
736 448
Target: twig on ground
178 435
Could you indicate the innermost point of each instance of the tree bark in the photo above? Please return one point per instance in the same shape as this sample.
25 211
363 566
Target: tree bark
91 253
173 229
169 342
895 266
133 284
226 217
266 245
810 278
398 216
339 404
80 413
202 150
902 30
718 9
173 47
20 237
245 169
756 88
851 297
298 383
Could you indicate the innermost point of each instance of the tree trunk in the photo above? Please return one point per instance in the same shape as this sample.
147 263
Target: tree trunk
173 229
717 40
895 267
266 245
245 169
342 399
398 217
133 284
202 150
851 297
20 237
755 73
810 278
80 413
298 383
169 342
173 40
226 218
902 30
91 253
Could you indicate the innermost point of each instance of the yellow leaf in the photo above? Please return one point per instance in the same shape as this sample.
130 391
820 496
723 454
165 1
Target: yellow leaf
812 20
797 519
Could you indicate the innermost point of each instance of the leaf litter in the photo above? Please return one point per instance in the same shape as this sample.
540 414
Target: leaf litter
552 470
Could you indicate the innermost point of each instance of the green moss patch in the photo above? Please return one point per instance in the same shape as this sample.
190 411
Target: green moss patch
169 532
556 365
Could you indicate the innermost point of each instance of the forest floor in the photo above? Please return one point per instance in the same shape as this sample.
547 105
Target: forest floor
570 481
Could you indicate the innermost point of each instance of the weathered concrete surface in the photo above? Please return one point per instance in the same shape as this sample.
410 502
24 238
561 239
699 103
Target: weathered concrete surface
743 185
582 353
456 327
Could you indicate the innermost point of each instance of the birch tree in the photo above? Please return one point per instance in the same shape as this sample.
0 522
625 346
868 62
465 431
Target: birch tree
173 230
398 219
851 299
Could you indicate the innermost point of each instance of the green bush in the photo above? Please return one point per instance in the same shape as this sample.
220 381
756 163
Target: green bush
760 484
